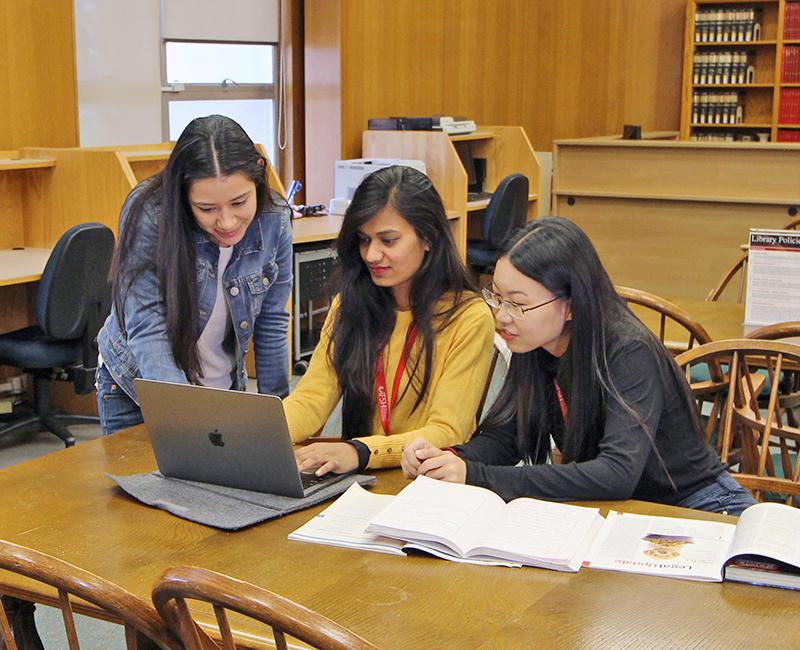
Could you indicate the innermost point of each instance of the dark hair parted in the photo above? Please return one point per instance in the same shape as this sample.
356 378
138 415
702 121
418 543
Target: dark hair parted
558 255
367 313
209 147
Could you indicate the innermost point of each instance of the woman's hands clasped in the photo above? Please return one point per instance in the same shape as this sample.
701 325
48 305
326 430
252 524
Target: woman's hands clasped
421 458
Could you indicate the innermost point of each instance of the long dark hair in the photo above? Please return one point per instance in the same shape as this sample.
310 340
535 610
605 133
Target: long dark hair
557 254
366 316
213 146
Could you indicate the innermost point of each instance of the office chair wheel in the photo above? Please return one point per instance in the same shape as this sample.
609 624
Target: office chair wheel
300 367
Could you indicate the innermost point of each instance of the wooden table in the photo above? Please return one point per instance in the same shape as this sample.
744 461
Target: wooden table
64 504
22 265
315 229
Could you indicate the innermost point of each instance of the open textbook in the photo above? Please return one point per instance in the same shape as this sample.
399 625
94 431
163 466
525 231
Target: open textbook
766 534
468 524
463 523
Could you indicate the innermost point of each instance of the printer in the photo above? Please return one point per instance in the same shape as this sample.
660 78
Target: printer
348 174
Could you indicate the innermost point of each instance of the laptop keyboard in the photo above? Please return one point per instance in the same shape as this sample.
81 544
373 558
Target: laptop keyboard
309 479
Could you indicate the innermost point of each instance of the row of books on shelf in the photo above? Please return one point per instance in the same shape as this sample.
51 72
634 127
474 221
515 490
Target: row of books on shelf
789 108
726 25
722 68
727 136
469 524
791 21
790 65
788 135
716 108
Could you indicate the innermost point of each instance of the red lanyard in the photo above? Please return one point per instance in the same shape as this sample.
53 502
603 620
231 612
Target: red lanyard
561 401
384 405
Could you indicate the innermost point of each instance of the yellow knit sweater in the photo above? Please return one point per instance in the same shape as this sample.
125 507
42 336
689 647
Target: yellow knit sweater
461 357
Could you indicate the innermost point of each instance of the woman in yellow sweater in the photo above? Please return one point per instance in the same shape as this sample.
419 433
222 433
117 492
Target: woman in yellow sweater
407 342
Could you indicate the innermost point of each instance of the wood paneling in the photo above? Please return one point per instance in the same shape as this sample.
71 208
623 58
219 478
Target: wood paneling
323 93
566 68
669 217
670 248
37 74
84 186
393 56
291 159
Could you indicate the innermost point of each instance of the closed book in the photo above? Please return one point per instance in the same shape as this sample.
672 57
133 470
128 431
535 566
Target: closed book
756 570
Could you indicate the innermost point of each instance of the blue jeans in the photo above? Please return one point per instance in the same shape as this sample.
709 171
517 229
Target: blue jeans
724 495
117 410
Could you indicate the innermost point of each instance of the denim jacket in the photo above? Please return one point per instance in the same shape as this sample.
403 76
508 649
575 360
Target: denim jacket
257 284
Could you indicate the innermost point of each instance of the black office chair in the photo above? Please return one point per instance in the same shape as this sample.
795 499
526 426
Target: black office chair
505 213
72 303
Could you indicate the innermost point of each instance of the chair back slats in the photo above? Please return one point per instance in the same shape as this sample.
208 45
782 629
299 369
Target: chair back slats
69 620
280 639
224 628
785 330
68 579
667 313
5 631
740 267
131 638
284 616
758 436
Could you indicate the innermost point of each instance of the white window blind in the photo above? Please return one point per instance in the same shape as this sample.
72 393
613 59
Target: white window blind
253 21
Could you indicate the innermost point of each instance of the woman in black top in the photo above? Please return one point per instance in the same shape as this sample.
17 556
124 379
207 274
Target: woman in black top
585 371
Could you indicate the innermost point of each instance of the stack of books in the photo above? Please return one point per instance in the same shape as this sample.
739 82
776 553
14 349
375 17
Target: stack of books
726 25
472 525
730 67
789 109
786 135
791 21
716 108
790 65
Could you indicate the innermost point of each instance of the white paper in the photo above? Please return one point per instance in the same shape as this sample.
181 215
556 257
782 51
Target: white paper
343 523
773 277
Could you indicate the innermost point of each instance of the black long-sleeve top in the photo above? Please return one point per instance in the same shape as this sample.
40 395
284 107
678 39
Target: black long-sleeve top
625 466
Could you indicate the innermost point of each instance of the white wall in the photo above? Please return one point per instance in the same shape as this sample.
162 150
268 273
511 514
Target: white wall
119 74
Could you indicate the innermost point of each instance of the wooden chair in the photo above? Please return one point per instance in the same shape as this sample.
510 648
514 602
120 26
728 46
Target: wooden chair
704 380
667 313
787 330
139 618
789 397
739 269
762 442
285 617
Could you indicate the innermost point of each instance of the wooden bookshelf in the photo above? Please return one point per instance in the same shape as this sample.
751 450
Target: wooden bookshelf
760 98
505 150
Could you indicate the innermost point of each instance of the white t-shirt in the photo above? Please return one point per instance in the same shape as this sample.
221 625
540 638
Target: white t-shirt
216 345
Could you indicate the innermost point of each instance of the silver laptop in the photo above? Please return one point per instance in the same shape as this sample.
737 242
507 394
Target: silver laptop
224 437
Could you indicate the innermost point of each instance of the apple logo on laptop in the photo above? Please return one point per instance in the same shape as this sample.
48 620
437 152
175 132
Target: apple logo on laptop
216 438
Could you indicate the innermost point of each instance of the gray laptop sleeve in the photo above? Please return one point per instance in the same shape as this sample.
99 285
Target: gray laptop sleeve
222 507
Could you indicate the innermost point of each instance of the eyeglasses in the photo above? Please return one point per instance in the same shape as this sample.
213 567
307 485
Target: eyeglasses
516 311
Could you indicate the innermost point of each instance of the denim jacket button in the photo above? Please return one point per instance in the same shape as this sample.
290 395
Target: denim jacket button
265 281
244 325
234 291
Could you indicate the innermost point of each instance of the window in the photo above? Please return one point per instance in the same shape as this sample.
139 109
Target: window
233 79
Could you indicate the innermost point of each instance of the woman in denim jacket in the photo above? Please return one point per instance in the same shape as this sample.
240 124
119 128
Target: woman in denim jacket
202 269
